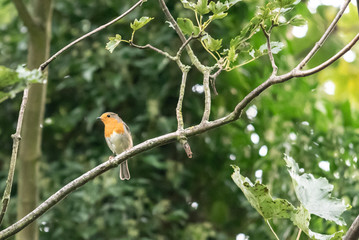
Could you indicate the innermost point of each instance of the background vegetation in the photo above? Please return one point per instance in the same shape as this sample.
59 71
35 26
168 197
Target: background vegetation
169 195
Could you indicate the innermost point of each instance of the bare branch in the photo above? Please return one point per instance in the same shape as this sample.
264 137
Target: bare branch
44 65
320 43
270 54
179 115
166 54
207 97
329 61
16 142
353 232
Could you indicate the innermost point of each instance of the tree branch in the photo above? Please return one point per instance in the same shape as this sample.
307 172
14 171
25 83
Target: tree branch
180 125
24 14
166 54
53 57
331 60
207 97
16 141
270 54
353 232
320 43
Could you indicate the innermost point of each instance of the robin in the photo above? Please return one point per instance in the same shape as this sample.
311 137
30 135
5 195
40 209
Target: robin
118 138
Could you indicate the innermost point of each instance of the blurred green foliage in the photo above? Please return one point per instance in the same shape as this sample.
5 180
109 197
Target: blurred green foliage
169 195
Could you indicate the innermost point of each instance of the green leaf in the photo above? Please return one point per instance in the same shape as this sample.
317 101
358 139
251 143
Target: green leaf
232 55
7 77
211 43
301 218
259 197
218 16
13 82
202 7
137 24
218 7
113 43
189 5
187 27
315 194
297 20
275 46
285 3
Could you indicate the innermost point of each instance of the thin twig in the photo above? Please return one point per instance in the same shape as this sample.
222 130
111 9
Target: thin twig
213 79
320 43
166 54
47 62
267 221
299 233
331 60
353 232
16 142
269 48
207 97
180 50
179 115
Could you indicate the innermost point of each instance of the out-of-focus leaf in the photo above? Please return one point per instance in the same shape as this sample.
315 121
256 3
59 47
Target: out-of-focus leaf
297 20
211 43
232 55
218 16
202 7
275 46
187 26
189 5
113 43
315 194
13 82
137 24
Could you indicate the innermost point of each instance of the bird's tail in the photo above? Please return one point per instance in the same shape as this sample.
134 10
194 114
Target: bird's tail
124 172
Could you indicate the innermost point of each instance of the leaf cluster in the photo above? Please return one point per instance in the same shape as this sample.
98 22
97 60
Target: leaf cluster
313 194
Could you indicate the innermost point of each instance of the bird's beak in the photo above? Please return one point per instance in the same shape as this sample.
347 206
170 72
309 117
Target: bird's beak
98 118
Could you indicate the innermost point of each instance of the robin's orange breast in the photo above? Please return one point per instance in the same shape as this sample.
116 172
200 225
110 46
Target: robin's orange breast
112 125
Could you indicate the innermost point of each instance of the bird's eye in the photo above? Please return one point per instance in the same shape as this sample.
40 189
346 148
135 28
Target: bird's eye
108 115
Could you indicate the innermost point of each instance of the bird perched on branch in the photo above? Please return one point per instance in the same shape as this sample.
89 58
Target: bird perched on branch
118 138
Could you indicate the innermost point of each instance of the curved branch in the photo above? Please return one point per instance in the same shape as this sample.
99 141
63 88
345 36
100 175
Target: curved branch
320 43
44 65
353 232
